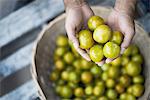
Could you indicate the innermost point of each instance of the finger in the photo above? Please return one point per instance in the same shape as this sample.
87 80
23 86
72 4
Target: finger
112 21
127 38
100 63
83 53
74 40
86 9
127 28
122 50
79 50
108 60
87 13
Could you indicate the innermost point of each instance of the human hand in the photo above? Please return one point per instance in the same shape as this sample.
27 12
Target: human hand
124 23
76 19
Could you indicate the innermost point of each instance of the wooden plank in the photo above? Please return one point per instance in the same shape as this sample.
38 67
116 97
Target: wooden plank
13 67
27 91
16 61
26 19
19 42
15 71
17 79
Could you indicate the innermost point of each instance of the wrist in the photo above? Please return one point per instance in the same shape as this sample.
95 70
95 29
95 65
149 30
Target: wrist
122 13
126 7
74 3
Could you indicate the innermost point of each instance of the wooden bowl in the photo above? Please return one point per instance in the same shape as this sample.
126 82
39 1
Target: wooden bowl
45 45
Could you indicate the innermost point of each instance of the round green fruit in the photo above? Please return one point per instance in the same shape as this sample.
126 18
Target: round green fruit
77 64
60 51
103 98
137 58
105 67
116 62
79 92
110 83
96 53
94 22
111 50
138 90
135 49
119 88
59 65
123 70
133 68
98 90
130 89
74 50
65 75
117 37
69 57
100 82
85 64
66 92
60 82
130 97
105 76
58 89
74 77
61 40
73 85
111 94
138 79
123 96
125 60
85 39
113 72
125 80
54 75
88 90
96 70
86 77
102 34
77 98
91 98
131 50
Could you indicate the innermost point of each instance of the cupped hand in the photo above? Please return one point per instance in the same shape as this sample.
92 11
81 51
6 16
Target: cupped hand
124 23
76 19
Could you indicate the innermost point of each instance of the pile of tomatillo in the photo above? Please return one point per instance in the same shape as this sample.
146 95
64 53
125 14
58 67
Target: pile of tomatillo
74 78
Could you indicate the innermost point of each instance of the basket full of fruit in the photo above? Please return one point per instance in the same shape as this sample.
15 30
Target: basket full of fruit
61 73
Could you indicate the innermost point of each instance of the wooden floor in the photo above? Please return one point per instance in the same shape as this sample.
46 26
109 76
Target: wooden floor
17 34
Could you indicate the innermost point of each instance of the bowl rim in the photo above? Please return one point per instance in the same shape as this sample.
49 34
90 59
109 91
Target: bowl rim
33 65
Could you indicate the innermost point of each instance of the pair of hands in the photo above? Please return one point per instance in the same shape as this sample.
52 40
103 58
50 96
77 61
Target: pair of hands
77 18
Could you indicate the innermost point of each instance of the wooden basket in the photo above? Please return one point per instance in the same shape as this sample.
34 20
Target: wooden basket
45 45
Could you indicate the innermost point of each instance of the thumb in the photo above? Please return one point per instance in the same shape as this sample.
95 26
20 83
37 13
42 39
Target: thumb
71 36
128 36
127 28
74 40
